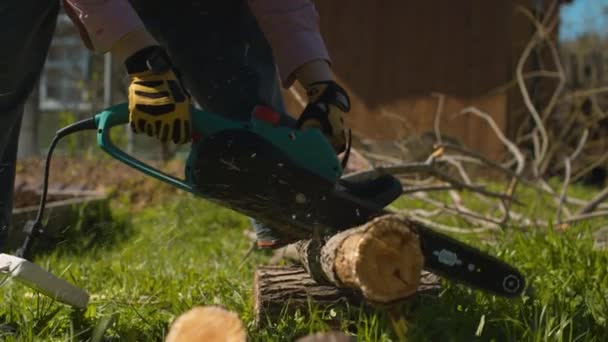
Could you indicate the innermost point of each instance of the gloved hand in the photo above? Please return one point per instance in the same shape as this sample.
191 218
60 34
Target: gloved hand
159 105
327 102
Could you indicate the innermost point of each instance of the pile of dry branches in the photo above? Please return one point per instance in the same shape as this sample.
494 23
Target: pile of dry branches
556 141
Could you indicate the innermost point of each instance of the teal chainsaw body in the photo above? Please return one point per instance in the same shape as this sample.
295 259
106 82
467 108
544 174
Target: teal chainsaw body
273 173
307 149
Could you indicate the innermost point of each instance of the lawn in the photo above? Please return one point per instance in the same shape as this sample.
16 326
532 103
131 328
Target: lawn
144 267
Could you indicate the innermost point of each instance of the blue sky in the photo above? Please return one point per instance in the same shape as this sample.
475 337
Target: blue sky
583 16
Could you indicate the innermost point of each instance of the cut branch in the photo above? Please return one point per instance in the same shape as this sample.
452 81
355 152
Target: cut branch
594 203
438 114
428 168
583 217
562 196
473 154
460 210
207 323
283 290
510 146
350 259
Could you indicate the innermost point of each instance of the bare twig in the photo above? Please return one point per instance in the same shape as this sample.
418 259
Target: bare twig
463 174
382 158
596 163
475 155
519 157
561 84
577 151
581 145
546 187
426 168
463 212
589 207
410 127
536 146
510 146
465 159
413 190
562 196
583 93
523 222
540 35
527 76
568 172
438 114
419 212
446 228
544 30
587 216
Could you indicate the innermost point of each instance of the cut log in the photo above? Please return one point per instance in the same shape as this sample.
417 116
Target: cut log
333 336
207 324
381 259
283 290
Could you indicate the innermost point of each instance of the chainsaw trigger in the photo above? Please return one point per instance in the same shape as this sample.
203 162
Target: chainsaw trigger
266 114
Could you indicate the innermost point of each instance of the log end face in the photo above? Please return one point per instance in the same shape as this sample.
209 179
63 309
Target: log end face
386 262
207 323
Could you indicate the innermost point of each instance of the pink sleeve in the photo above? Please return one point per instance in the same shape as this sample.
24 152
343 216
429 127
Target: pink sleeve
106 21
292 29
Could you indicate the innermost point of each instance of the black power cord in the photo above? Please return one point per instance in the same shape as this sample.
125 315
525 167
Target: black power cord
34 228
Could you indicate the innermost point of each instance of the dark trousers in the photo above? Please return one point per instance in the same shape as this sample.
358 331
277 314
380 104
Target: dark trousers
221 52
26 30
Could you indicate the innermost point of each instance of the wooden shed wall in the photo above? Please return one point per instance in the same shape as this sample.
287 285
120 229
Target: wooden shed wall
391 55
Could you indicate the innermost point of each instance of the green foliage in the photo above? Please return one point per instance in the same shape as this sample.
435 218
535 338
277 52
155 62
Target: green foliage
146 269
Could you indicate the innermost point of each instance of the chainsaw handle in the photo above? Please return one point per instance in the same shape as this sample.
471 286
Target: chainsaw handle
119 115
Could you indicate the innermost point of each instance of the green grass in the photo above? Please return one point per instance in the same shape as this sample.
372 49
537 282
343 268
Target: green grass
189 252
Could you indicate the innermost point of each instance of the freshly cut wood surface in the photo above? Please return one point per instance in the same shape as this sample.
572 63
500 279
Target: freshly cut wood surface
382 259
207 324
332 336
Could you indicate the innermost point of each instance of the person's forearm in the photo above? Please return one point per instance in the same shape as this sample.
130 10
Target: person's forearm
131 43
317 70
109 26
292 29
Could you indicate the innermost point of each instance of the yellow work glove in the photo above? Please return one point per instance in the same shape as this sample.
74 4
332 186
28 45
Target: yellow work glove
327 101
159 105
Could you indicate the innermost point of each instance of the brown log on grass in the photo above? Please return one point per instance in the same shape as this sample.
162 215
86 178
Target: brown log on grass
280 291
379 263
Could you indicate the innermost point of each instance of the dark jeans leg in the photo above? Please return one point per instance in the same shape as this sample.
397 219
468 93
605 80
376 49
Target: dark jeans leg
8 158
221 52
26 31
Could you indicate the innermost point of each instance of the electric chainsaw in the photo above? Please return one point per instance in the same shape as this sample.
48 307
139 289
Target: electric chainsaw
292 181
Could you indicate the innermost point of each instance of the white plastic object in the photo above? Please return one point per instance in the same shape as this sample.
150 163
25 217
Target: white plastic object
37 278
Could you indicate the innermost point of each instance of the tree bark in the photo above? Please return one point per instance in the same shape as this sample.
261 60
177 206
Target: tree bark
378 264
282 290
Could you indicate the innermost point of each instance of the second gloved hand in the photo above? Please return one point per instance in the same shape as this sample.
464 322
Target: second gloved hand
159 105
327 102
